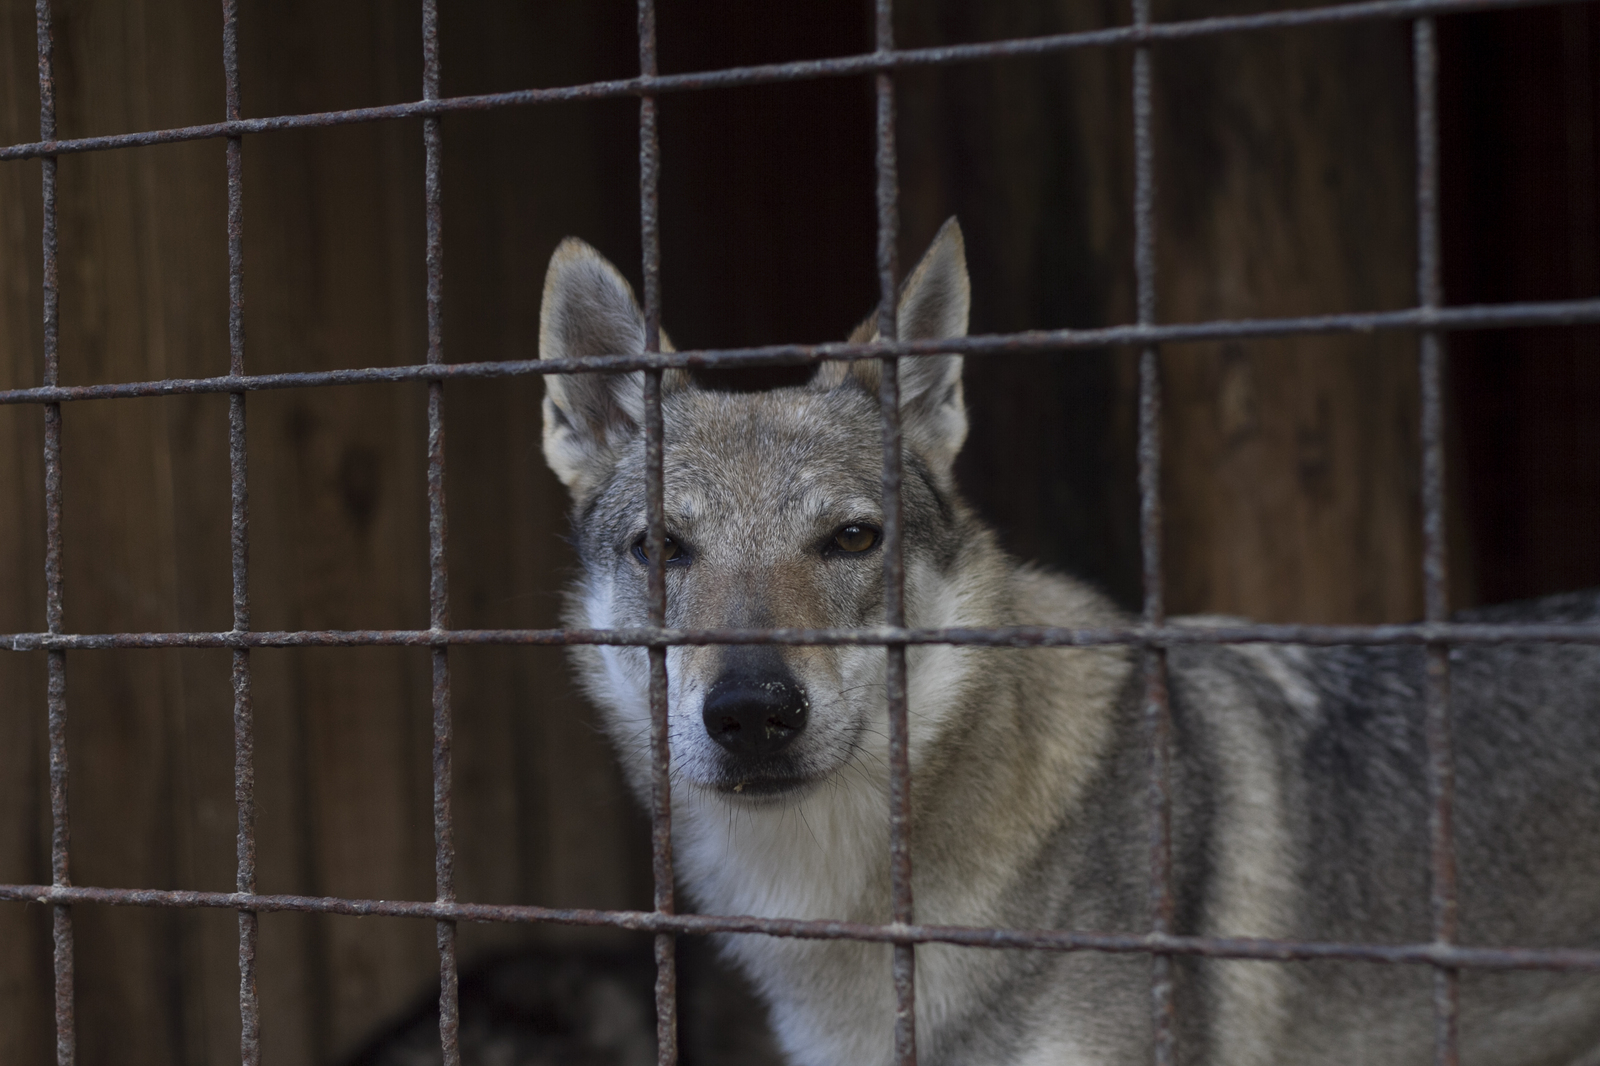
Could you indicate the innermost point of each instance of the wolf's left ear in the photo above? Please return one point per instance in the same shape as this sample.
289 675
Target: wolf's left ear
936 298
934 303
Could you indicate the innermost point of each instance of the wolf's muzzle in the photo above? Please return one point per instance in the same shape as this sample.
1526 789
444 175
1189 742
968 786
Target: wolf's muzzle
754 715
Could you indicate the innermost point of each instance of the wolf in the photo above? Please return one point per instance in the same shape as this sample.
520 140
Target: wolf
1299 797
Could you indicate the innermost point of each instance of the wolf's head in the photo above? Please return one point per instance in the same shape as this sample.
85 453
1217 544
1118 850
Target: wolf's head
774 517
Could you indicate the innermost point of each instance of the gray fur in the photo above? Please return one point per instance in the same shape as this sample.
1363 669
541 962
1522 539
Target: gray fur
1299 795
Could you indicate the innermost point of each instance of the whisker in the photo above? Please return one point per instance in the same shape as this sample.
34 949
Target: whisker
800 809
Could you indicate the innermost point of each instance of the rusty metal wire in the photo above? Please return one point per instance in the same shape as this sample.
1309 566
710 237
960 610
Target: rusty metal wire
1157 708
1444 319
1576 960
1164 636
1441 761
244 768
1153 634
444 841
666 948
805 70
56 683
903 965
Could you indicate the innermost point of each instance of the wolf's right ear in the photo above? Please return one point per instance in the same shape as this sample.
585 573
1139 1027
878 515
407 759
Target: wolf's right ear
588 310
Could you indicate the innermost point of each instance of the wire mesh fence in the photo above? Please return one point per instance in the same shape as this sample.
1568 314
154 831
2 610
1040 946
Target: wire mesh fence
1152 634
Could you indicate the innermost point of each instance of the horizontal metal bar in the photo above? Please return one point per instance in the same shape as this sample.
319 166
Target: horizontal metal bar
805 70
1487 316
1502 958
1163 636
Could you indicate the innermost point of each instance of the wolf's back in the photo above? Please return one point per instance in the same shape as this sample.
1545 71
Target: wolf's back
1347 725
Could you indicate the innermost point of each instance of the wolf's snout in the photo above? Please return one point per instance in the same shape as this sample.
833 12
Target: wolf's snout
754 715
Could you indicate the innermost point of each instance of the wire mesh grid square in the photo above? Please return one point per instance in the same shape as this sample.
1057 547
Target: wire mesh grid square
1151 635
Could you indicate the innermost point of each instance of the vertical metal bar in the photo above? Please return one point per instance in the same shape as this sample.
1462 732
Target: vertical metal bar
1157 711
888 203
656 550
444 844
244 772
56 661
1435 574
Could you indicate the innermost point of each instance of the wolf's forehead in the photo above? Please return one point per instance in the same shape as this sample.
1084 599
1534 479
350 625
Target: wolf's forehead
794 453
750 493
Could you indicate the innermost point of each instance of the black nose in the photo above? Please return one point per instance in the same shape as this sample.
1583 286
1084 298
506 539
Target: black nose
754 714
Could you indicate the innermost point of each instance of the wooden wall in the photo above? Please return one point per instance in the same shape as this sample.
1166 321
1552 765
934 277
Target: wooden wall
1285 185
334 278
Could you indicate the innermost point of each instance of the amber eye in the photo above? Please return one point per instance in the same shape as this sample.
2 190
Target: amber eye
673 553
854 539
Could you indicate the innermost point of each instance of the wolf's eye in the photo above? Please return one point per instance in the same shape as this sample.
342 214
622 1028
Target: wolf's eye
673 554
854 539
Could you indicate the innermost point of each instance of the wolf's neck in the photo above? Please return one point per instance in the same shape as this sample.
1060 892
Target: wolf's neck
825 856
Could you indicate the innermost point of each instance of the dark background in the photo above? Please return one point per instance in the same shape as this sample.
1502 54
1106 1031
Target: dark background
1521 192
1285 173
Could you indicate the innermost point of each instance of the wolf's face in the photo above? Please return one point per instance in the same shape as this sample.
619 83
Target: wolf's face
774 515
